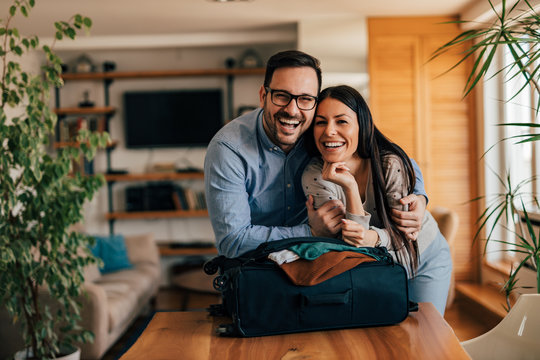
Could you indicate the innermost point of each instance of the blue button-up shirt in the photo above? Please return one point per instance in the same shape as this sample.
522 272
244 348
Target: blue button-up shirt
253 189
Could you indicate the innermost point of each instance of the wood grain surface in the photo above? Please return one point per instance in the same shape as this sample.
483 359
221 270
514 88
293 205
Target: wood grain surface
190 335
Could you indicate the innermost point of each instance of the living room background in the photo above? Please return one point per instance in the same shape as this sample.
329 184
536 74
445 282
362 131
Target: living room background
313 37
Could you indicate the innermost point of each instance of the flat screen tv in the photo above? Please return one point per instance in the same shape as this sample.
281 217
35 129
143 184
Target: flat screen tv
172 118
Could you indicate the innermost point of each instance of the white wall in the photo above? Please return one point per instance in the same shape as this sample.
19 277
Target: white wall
341 46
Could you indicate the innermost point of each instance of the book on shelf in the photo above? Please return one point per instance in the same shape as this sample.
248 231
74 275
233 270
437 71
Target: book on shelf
70 126
201 199
191 200
188 199
82 166
179 199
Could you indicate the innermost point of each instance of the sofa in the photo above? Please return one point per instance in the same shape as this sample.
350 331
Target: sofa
110 303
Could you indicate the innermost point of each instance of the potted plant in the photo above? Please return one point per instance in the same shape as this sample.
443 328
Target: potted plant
39 197
515 30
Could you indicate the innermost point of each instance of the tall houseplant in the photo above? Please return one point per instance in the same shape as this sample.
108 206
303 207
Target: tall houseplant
39 198
515 30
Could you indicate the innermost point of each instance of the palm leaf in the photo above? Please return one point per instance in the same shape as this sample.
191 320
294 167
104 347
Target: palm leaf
529 226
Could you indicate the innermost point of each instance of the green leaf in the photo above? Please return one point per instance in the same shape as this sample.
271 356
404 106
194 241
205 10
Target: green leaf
12 10
70 32
17 50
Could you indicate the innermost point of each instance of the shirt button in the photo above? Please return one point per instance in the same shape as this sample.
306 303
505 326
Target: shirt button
288 208
288 185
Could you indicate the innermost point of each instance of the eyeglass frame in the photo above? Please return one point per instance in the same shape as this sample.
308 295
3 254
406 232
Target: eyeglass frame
295 97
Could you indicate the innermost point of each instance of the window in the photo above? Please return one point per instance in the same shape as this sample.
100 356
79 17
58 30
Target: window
516 163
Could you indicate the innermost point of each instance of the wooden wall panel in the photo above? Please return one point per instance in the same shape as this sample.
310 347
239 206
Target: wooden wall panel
421 107
396 81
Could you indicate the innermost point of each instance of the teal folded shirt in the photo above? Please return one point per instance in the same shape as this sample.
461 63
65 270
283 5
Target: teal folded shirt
311 251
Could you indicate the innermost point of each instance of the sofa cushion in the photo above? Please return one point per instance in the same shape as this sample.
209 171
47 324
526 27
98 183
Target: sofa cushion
91 273
121 302
136 280
112 251
125 291
142 249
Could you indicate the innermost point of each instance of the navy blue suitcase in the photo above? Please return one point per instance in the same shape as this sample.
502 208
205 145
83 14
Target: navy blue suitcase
261 299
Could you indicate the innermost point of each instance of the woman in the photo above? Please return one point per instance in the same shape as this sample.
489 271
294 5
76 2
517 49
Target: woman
358 165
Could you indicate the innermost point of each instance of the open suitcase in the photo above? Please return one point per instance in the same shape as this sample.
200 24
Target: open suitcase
262 300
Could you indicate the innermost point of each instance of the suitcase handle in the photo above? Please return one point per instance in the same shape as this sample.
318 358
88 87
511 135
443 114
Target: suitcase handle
326 299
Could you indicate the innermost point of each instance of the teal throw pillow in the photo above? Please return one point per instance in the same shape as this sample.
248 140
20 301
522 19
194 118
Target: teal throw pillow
112 251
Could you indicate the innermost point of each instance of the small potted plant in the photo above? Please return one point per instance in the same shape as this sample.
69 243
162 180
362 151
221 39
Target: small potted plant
40 197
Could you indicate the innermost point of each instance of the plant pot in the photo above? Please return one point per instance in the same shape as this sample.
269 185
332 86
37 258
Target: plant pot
75 355
515 337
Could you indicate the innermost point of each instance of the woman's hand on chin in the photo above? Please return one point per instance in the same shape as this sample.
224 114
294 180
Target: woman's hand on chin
339 173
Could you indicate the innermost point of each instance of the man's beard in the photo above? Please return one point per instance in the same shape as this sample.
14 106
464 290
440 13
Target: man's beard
275 135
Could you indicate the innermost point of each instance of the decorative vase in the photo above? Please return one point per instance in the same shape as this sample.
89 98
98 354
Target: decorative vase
24 354
515 337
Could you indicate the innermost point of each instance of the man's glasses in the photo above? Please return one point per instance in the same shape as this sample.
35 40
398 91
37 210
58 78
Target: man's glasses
283 98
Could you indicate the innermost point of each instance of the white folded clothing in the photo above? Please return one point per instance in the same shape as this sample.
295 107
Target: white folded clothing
283 256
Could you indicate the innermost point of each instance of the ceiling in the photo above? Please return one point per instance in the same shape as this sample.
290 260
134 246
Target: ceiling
151 17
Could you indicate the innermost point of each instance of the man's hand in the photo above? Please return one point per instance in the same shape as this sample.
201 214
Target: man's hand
356 235
326 220
410 222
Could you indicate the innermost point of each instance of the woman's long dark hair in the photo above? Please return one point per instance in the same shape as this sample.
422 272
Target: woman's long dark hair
373 145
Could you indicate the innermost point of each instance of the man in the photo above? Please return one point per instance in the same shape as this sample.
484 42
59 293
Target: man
254 164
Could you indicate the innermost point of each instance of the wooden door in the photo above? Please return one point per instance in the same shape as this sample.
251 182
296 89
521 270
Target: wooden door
420 107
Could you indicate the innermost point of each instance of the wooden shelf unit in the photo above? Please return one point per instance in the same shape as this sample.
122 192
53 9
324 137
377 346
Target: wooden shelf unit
165 214
161 74
63 144
155 176
171 250
107 78
94 110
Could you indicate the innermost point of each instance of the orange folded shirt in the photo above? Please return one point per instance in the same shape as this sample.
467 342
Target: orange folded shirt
312 272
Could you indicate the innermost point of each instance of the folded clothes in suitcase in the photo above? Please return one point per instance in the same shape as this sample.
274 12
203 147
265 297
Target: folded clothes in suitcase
262 300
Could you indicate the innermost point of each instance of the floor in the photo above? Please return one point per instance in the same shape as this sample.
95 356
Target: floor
465 323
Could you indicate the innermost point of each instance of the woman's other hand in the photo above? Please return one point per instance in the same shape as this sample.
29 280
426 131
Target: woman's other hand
410 222
356 235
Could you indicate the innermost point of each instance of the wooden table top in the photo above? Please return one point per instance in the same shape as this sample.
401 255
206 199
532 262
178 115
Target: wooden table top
190 335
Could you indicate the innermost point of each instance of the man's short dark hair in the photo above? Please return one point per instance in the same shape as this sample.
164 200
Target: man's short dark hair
291 58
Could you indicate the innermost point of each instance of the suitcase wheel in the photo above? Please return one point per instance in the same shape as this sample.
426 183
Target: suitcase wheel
226 330
220 282
210 267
